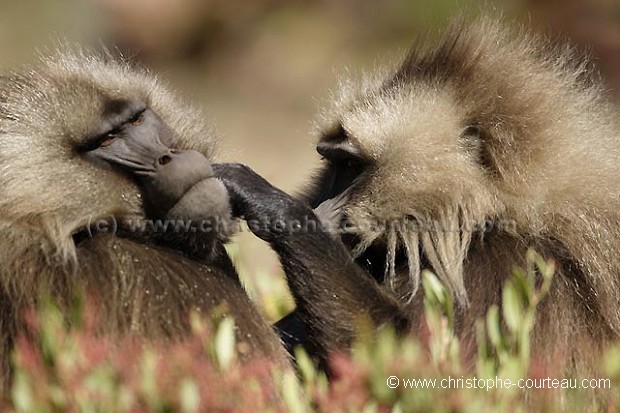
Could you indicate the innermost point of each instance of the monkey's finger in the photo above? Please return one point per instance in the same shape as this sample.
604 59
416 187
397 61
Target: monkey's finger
250 193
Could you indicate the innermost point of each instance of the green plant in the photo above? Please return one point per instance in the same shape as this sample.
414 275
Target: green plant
65 365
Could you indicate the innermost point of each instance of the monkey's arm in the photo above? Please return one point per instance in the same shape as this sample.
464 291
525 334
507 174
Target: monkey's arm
331 291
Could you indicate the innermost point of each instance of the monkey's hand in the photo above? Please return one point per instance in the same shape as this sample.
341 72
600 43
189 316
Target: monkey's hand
269 212
331 290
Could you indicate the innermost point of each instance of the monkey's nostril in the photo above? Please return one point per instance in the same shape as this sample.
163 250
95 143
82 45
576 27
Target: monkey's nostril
164 160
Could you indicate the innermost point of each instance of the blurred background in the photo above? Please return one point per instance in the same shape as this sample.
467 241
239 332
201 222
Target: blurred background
262 68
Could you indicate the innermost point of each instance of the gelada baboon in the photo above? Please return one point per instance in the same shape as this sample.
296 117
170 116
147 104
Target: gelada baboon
487 142
71 224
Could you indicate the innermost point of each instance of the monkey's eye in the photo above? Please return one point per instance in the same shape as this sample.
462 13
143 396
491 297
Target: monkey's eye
137 118
100 141
471 131
107 140
104 140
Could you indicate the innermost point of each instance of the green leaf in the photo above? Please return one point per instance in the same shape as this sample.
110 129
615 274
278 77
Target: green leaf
306 367
189 396
433 288
22 394
493 329
225 342
291 395
512 307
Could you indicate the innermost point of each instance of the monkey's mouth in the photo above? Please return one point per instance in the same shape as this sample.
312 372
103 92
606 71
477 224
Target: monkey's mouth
375 259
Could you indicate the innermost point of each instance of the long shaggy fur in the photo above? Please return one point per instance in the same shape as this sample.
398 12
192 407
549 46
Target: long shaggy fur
543 170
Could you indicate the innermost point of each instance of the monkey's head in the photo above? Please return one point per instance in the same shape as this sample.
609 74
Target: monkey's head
485 130
62 120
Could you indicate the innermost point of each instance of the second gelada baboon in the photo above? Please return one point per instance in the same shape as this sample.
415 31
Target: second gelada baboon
492 141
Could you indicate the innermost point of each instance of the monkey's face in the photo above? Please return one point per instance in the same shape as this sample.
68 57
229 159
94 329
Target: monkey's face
53 118
415 153
470 135
414 171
